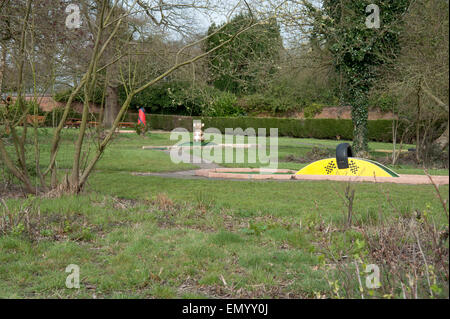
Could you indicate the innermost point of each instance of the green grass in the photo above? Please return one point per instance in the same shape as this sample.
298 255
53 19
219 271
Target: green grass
276 198
154 237
125 153
146 252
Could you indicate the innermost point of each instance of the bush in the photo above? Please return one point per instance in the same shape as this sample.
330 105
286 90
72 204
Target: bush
285 97
222 104
311 110
384 101
141 129
259 103
158 98
379 130
183 98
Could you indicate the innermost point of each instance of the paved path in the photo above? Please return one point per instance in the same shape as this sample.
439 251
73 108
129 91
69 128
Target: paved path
258 174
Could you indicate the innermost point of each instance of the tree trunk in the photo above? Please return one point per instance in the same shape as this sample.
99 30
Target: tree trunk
418 144
360 117
112 106
2 67
442 141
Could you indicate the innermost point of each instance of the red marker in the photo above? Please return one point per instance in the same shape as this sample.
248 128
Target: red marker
141 119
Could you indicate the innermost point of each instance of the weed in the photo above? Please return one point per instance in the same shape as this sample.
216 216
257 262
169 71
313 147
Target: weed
204 201
410 250
163 202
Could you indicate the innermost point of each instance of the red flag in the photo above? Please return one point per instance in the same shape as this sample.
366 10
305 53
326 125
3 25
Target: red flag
141 119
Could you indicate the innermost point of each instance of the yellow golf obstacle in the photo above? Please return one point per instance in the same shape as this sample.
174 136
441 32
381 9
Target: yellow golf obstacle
346 165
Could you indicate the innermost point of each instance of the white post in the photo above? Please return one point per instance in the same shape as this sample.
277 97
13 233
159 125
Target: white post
198 132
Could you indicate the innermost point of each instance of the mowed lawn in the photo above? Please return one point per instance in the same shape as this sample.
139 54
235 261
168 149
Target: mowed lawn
154 237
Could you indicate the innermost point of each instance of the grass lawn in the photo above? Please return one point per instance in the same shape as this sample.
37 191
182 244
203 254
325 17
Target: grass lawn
155 237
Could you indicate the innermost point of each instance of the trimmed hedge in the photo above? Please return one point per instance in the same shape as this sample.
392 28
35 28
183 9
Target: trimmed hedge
379 130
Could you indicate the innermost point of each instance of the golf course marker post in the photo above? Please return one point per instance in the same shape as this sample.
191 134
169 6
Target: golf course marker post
198 132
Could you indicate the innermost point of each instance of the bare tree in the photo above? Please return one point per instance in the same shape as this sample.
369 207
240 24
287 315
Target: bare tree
420 76
106 20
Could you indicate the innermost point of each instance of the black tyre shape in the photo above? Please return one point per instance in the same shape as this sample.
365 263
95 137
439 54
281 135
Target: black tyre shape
343 152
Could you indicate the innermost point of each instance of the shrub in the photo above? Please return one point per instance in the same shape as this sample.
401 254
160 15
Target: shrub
379 130
384 101
223 104
258 103
162 97
311 110
183 98
284 96
203 100
141 129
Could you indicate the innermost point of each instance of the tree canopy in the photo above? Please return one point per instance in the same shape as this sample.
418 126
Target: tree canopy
246 64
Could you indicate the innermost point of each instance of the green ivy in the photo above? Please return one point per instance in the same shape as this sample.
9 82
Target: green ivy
357 50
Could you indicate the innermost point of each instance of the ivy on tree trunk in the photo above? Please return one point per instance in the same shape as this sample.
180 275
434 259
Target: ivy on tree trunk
358 50
360 116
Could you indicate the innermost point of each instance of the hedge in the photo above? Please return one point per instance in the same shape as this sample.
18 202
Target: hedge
379 130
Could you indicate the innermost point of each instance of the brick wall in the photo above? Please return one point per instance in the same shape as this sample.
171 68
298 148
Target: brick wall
47 103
